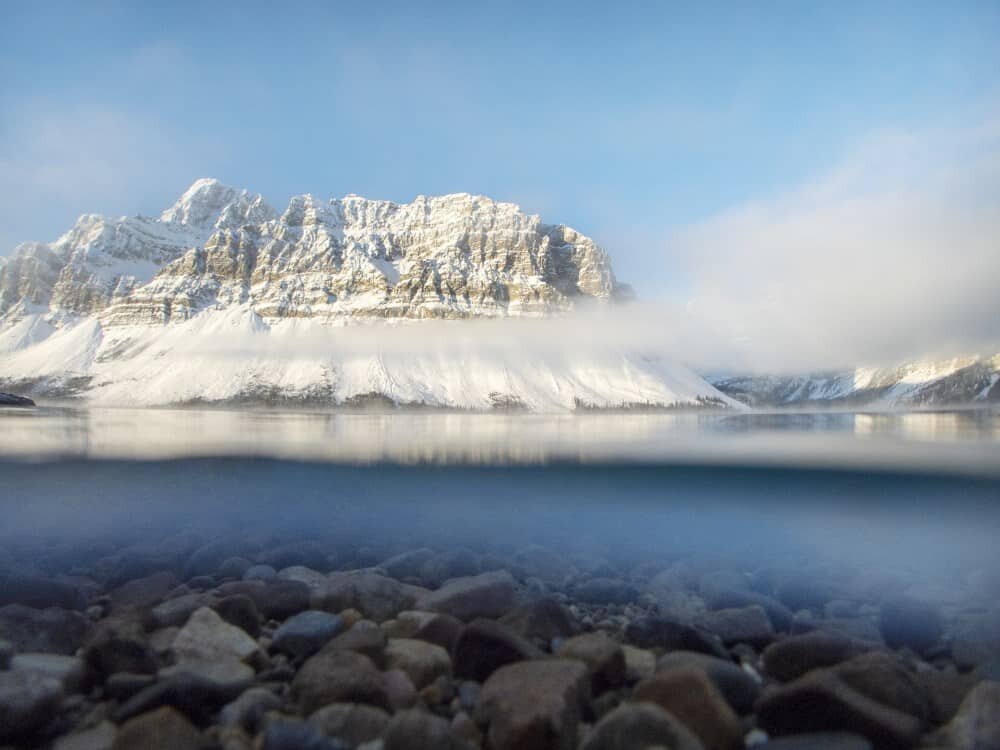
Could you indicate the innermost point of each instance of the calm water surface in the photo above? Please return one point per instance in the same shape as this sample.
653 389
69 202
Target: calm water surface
947 441
916 493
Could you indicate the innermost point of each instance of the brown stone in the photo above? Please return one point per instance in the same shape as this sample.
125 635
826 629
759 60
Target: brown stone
162 729
338 677
604 658
976 726
534 705
690 696
423 662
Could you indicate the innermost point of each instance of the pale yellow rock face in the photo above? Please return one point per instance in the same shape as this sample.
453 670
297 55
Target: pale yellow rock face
456 256
453 256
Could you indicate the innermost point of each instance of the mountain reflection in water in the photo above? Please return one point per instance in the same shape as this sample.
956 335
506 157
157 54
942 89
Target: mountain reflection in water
953 441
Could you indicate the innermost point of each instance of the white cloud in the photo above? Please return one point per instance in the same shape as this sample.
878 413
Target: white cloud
893 254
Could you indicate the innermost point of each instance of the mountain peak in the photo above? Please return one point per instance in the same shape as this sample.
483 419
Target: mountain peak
201 203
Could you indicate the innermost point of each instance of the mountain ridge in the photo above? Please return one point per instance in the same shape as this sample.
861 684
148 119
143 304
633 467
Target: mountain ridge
946 381
458 255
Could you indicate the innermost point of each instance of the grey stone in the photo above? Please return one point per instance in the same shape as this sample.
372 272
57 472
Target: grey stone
27 701
795 655
640 726
307 554
640 663
239 610
433 627
38 592
275 600
749 625
145 592
975 639
227 675
247 710
407 564
542 620
379 598
652 631
52 630
119 649
820 702
68 671
207 559
234 567
260 573
192 694
353 723
207 637
605 591
123 685
545 564
486 645
456 563
725 590
399 689
291 734
817 741
99 737
883 678
486 595
306 633
310 577
365 637
176 611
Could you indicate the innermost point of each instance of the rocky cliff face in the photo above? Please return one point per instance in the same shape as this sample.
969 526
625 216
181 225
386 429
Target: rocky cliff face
454 256
101 261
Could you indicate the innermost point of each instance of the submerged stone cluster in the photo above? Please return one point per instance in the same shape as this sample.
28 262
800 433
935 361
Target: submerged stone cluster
263 641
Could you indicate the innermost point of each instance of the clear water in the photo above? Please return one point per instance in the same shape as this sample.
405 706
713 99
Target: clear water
916 495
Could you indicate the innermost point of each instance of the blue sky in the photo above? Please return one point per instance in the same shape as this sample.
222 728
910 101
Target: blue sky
635 122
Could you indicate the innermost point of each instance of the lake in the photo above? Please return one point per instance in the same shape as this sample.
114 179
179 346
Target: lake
140 540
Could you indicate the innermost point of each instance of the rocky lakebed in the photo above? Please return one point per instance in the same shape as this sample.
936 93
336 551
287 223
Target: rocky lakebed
272 642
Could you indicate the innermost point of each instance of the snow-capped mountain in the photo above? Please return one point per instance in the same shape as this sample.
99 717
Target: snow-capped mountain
101 261
959 380
205 303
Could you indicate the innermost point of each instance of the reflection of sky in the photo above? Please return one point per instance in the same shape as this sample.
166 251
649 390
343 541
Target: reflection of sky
967 441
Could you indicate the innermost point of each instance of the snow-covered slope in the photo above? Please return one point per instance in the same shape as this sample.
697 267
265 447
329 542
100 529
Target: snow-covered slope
220 298
233 354
959 380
